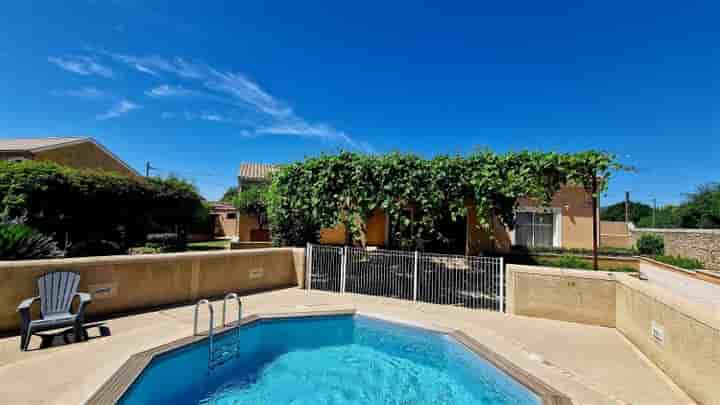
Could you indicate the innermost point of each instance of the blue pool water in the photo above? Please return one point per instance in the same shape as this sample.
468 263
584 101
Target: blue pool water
348 360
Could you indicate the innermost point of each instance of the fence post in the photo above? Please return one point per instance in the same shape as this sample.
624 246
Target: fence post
415 276
502 284
308 266
343 269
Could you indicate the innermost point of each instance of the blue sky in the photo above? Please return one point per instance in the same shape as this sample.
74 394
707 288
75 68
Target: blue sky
197 88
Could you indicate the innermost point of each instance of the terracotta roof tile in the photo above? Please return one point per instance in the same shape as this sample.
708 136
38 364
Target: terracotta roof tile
31 144
255 171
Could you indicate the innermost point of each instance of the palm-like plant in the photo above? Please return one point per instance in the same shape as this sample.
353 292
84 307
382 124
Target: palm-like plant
19 241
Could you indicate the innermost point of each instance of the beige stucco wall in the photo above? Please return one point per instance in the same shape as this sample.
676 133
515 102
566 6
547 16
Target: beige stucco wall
137 282
84 156
568 295
615 234
690 350
246 224
575 205
225 226
374 231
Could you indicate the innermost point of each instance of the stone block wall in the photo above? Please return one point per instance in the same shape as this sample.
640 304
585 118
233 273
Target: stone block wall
700 244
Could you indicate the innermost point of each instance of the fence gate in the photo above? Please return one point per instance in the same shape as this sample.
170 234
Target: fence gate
467 281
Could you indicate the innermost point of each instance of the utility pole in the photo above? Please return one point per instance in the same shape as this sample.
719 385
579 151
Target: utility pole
627 207
148 167
654 209
595 221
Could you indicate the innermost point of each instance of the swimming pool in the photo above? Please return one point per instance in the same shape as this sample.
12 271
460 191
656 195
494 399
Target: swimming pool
345 359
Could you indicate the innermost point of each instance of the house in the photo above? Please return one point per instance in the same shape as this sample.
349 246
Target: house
75 152
250 228
225 219
567 222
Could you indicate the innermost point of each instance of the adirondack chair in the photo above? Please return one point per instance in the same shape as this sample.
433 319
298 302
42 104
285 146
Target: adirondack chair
56 291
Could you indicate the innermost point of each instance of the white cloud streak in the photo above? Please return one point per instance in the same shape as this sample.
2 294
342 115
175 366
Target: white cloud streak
84 92
120 108
82 65
167 90
268 114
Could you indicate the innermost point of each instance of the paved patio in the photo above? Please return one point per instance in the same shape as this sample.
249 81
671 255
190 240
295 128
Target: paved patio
592 365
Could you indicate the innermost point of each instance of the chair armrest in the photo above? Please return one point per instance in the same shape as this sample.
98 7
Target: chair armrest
26 304
84 297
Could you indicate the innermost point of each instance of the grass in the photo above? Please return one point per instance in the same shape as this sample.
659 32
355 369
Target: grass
574 262
603 251
208 245
679 261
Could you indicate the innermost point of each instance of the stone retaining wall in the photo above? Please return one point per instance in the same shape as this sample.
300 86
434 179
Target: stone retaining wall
700 244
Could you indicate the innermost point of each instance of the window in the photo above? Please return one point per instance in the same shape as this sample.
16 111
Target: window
538 227
231 215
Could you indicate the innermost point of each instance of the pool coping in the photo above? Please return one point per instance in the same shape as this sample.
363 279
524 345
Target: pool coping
115 387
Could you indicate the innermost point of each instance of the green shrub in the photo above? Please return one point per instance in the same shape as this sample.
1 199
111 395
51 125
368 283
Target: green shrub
19 241
651 244
566 261
682 262
93 205
604 251
165 242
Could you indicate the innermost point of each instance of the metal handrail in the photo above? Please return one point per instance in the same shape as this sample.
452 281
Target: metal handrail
210 326
227 297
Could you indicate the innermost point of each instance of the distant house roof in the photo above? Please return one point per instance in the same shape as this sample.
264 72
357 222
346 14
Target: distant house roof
219 206
255 171
35 145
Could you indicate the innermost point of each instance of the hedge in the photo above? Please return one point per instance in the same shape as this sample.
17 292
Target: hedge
95 205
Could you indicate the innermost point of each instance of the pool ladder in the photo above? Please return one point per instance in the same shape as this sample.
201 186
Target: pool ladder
222 353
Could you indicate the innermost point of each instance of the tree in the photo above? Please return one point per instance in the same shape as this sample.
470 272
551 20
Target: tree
417 194
230 194
94 205
702 208
253 200
616 212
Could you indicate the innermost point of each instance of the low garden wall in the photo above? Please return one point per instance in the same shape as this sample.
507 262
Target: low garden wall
681 337
568 295
128 283
700 244
615 234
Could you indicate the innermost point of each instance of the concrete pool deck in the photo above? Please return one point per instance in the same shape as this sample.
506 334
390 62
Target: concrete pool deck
591 364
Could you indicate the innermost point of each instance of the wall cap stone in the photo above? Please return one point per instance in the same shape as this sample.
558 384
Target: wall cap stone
561 272
693 310
120 259
676 230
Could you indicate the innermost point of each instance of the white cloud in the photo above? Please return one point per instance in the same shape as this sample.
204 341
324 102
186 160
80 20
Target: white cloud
143 69
84 92
249 93
167 90
320 131
153 64
120 108
262 113
82 65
